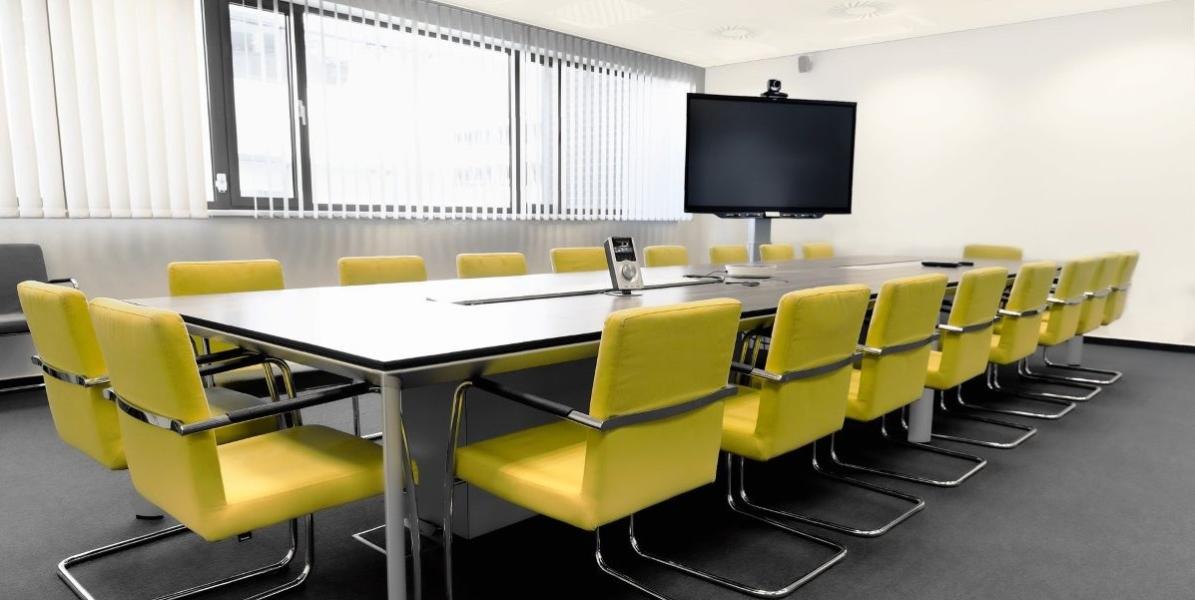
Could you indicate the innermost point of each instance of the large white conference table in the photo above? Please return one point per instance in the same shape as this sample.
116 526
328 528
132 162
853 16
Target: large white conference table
406 335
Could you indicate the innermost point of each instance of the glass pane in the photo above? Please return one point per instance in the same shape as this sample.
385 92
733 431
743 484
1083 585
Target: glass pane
398 119
262 89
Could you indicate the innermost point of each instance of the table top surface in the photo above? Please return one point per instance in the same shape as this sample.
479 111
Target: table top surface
392 327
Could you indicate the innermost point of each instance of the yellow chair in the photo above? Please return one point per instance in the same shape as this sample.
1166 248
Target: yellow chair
76 376
490 264
799 396
1120 287
1016 333
817 250
1092 316
965 346
652 431
666 256
894 368
573 260
1060 323
728 254
222 491
367 270
231 276
992 252
776 252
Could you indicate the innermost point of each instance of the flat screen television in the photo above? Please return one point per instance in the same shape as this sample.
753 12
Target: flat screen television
747 156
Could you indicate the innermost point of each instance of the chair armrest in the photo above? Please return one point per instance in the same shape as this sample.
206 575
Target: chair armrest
241 415
62 280
537 402
231 364
223 355
609 423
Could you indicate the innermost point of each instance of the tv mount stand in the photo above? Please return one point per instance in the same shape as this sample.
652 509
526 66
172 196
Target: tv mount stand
759 228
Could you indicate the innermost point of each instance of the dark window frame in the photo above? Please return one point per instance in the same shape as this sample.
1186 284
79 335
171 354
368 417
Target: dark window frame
222 112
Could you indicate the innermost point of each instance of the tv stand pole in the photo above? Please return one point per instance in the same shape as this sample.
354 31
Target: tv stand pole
759 232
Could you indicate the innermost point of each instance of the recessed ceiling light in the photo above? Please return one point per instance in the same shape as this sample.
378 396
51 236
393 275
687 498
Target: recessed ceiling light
735 32
859 10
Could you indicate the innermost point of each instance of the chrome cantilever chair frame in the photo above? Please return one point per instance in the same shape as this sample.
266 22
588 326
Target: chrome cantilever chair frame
740 501
585 420
940 397
993 384
979 461
1113 376
1025 372
287 409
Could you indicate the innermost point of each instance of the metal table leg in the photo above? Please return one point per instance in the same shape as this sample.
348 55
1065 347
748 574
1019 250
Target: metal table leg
396 564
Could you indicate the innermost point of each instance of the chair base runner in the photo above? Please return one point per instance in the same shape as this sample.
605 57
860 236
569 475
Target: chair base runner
1112 376
740 500
20 384
309 559
993 384
1026 373
979 461
956 413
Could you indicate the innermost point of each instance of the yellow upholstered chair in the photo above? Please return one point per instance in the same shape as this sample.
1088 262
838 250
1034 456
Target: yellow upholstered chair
573 260
992 252
894 368
728 254
776 252
221 491
1092 315
665 256
817 250
1016 333
76 376
1114 308
366 270
965 346
652 430
799 396
490 264
1060 323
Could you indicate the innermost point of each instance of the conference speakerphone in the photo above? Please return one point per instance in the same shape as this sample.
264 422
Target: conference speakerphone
623 264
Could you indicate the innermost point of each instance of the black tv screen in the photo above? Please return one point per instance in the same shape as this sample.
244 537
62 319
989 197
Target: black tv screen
761 155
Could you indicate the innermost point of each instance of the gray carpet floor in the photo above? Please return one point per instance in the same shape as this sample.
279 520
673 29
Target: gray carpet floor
1097 505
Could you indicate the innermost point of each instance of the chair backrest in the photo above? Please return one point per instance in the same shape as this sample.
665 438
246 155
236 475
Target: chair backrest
1091 315
65 339
18 262
224 276
965 355
572 260
151 365
817 250
490 264
367 270
728 253
906 311
1018 335
1120 288
665 256
813 327
992 252
195 278
776 252
1062 319
651 358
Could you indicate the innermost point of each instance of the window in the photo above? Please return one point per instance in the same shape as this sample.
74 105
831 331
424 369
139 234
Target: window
331 110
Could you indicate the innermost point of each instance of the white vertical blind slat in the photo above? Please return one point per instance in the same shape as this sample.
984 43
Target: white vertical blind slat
17 105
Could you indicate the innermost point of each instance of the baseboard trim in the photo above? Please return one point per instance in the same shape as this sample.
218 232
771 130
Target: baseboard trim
1103 341
17 384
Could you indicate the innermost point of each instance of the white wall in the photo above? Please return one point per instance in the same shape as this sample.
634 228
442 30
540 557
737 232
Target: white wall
1064 136
127 258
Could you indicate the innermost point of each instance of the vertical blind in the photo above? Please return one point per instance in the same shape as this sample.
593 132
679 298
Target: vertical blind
413 109
101 109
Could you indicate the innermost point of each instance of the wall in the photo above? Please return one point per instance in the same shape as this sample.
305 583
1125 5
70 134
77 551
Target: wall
1063 136
127 258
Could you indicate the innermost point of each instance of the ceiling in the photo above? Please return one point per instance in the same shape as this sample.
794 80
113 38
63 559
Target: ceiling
717 32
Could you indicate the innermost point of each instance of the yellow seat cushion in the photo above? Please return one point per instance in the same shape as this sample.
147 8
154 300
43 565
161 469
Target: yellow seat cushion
739 425
856 409
276 477
541 468
222 400
934 377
